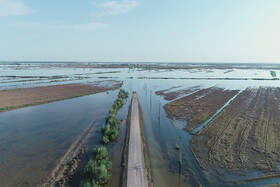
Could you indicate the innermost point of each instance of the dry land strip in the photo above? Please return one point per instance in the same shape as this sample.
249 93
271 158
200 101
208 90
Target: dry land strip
19 98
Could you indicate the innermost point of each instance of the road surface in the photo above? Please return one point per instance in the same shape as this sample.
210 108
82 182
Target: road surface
136 167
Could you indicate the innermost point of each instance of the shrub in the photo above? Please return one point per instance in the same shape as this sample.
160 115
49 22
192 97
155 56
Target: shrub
100 153
97 169
110 132
105 139
114 134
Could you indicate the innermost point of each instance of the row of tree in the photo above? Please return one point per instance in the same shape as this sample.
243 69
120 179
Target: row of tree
97 169
111 130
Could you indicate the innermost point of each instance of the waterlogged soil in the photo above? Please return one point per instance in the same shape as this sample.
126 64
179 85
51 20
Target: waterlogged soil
199 106
244 136
19 98
171 95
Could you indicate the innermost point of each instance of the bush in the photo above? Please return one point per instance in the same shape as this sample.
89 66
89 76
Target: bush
88 184
105 139
110 132
99 153
97 169
114 134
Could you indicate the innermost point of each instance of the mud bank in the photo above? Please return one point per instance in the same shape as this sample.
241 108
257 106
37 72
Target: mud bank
19 98
199 106
244 137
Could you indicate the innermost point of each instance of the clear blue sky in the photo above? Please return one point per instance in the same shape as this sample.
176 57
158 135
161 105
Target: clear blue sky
140 30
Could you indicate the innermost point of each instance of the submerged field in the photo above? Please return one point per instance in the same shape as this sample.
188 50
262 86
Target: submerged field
244 137
235 147
199 106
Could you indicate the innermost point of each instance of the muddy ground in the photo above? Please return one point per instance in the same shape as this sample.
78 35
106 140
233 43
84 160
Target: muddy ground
244 136
199 106
171 95
18 98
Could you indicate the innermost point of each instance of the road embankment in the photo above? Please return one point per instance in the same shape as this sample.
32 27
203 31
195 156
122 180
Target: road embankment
137 173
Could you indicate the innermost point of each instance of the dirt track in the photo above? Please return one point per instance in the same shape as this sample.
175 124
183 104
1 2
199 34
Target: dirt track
18 98
244 136
198 106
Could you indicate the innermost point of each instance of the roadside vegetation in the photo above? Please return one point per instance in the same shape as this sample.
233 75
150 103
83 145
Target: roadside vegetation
97 169
111 130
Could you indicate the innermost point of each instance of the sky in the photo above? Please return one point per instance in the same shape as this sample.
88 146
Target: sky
140 30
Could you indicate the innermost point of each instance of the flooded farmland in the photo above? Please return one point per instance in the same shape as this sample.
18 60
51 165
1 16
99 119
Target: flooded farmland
34 139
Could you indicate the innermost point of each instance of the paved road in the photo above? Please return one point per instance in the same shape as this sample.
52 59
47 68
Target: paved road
135 173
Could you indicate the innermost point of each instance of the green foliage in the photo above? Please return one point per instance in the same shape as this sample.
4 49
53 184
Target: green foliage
99 153
273 73
86 184
105 139
97 169
110 131
114 134
123 94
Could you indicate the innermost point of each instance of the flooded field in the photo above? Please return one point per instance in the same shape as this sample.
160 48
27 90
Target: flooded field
33 140
244 136
199 106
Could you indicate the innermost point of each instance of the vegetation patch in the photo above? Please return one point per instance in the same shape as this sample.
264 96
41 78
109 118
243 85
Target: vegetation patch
97 170
111 130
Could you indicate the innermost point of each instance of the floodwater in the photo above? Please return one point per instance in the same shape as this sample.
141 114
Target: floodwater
33 139
162 135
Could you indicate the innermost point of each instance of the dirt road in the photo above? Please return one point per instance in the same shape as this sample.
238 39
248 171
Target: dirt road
136 167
